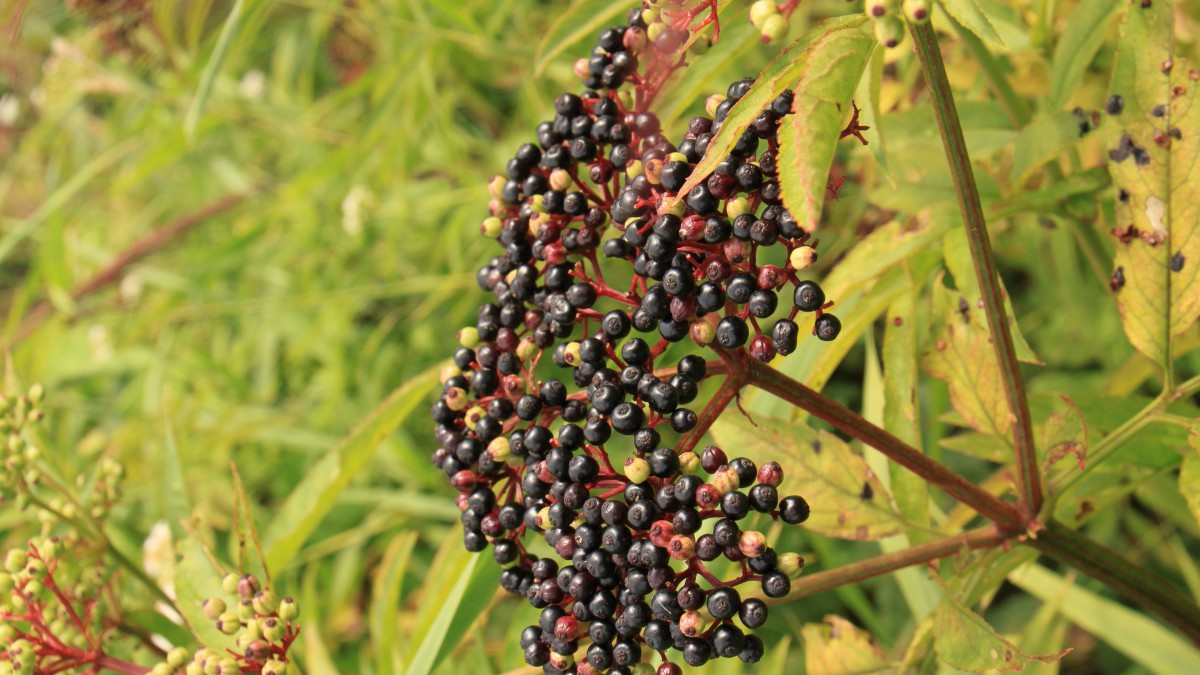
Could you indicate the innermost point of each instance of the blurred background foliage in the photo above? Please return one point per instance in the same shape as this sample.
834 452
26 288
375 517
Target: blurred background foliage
315 171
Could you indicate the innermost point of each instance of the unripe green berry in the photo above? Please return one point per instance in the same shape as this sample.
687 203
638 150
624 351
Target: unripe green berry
689 463
790 564
177 657
230 582
273 630
774 29
560 179
725 479
245 610
194 669
467 337
499 449
15 560
496 187
802 257
274 667
702 333
917 11
736 207
228 623
761 11
265 602
571 354
491 227
288 609
691 623
878 9
889 31
637 470
160 669
711 103
213 608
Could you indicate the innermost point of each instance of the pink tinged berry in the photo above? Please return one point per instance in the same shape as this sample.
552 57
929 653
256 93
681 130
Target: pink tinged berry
691 624
762 349
463 481
725 480
661 532
707 496
566 628
681 547
770 473
247 586
752 544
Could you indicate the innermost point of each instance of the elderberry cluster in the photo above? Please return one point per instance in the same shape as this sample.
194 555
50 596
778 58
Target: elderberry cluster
613 250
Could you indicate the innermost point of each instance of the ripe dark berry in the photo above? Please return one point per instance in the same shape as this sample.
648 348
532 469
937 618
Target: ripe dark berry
753 613
827 327
741 287
793 510
776 584
784 336
808 296
732 332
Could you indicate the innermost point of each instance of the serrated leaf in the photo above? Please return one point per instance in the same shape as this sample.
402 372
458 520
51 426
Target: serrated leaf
847 499
196 579
808 138
1160 299
1077 46
961 356
1064 436
962 639
317 492
838 647
973 18
816 50
1189 475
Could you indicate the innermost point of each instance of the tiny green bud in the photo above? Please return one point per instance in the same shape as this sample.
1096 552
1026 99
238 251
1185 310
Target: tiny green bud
889 31
245 609
33 587
877 9
160 669
194 668
273 630
917 11
177 657
274 667
15 560
229 582
265 602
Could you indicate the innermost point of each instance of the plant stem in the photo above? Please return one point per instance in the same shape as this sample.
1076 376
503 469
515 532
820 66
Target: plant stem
812 584
1135 583
991 507
1029 487
1186 388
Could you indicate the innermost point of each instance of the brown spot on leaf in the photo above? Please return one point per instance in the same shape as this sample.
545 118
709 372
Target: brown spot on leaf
897 321
964 310
1161 139
1167 65
1178 91
1008 655
816 446
842 518
867 492
861 533
1175 133
1118 279
941 345
1159 110
1177 261
1194 74
1126 235
1123 195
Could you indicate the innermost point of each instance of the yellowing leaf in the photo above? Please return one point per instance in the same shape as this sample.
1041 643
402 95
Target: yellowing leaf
963 640
838 647
847 499
814 57
1155 153
961 355
808 138
1064 436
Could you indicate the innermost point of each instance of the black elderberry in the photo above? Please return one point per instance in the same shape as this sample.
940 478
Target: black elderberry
827 327
732 332
646 440
808 296
762 303
642 513
735 505
764 498
683 420
728 640
793 510
741 287
776 584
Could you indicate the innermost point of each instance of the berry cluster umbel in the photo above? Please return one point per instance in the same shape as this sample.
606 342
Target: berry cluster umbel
605 265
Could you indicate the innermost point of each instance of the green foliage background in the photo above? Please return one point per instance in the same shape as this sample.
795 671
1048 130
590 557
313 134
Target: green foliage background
357 138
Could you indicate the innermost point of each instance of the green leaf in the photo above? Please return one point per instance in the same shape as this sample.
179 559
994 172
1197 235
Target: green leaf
1160 300
809 137
385 596
961 355
212 67
1077 46
838 647
318 491
250 556
847 499
196 580
1130 632
451 602
818 50
974 19
1189 475
958 259
1041 141
962 639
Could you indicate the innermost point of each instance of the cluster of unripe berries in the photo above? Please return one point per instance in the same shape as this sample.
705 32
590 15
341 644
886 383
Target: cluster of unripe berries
37 628
771 18
265 626
17 415
607 261
888 17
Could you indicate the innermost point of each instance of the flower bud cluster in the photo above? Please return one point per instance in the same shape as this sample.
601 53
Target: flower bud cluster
18 416
888 17
265 626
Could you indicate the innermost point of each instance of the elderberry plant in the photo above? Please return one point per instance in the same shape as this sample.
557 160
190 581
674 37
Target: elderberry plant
607 261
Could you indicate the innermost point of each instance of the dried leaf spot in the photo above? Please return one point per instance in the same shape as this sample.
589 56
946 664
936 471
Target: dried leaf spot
1126 148
1175 133
964 309
1167 65
1178 91
1125 235
1008 655
841 518
862 533
897 321
1159 110
1115 104
1177 261
816 446
1156 210
1123 195
1194 74
941 345
867 492
1118 279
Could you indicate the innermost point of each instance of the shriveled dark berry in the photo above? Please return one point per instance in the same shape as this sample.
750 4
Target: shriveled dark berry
827 327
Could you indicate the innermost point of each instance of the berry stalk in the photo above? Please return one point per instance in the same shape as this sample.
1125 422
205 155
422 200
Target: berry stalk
1029 487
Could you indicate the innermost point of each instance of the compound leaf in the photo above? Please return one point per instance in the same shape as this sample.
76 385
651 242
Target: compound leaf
838 647
962 639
